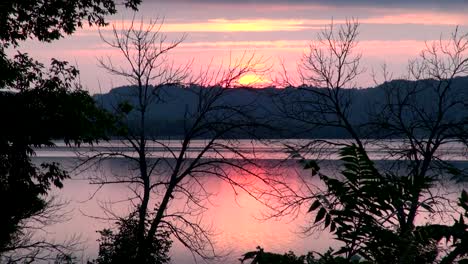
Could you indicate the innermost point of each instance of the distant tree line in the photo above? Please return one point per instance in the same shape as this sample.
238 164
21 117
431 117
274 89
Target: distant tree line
285 107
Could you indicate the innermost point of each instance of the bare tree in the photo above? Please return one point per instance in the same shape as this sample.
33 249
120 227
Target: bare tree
425 112
32 243
327 71
179 172
427 109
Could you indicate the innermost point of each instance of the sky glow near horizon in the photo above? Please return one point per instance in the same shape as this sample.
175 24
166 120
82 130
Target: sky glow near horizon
391 32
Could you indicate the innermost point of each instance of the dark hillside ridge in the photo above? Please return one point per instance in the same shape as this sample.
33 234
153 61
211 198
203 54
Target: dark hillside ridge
166 118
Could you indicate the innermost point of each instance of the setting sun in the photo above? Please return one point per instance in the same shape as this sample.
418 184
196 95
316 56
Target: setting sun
253 80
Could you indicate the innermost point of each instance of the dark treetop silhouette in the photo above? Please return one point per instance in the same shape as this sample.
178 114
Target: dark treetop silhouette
39 104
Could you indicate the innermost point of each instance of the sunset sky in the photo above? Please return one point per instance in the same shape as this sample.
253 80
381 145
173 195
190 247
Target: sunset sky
391 32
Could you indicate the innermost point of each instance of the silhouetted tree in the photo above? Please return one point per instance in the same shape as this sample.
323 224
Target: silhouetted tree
364 210
261 257
121 246
39 105
371 209
51 110
46 21
179 173
326 71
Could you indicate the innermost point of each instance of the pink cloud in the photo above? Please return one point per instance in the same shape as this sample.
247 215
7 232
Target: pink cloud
422 18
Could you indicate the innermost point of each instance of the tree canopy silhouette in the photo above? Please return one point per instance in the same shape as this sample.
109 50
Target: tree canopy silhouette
40 104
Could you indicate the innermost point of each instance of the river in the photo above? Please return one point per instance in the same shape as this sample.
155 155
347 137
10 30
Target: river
237 219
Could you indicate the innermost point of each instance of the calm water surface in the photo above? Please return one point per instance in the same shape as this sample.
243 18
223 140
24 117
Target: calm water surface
236 218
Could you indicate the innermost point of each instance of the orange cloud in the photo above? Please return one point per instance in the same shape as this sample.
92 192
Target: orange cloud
221 25
241 25
271 25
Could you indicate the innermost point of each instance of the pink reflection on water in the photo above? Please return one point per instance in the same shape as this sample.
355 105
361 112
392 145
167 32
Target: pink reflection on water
233 215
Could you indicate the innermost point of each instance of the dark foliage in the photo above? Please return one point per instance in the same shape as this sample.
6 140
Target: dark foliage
25 186
261 257
367 211
39 105
34 117
121 247
52 109
45 20
48 20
